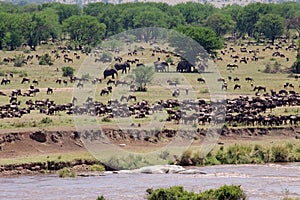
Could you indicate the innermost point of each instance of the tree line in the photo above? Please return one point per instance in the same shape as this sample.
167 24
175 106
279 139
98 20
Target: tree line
32 23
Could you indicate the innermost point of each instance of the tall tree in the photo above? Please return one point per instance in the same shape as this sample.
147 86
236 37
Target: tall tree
271 25
84 29
249 16
220 23
294 23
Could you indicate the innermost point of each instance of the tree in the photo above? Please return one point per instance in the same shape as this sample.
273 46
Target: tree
84 30
195 13
68 71
294 23
271 25
142 76
220 23
296 65
249 16
195 42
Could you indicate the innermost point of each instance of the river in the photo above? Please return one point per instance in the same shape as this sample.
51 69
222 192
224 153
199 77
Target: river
261 182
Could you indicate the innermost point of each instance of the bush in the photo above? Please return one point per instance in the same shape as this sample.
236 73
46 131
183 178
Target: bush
66 172
97 167
19 60
106 57
68 71
26 51
45 60
106 119
46 120
225 192
177 192
100 198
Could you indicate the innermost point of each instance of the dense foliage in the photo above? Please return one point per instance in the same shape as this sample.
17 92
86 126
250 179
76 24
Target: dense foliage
31 23
230 192
243 154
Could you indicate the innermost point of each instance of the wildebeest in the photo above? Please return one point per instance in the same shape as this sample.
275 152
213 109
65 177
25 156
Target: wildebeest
49 90
36 82
131 97
111 82
259 88
201 80
237 86
176 93
5 81
104 91
2 93
79 85
25 80
249 79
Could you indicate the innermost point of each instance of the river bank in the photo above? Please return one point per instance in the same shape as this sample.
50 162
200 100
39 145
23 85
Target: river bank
40 151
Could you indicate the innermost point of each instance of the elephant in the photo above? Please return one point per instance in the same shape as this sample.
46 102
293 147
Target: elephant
184 66
110 72
161 66
123 67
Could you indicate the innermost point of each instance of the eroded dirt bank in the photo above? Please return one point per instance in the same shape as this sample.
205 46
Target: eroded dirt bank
19 144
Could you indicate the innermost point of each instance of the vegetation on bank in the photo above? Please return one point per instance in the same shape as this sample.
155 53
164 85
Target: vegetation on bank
244 154
228 192
66 172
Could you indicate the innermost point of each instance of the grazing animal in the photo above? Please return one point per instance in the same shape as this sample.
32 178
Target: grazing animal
237 86
25 80
36 82
236 79
224 86
104 91
131 97
110 72
249 79
111 82
201 80
50 90
79 85
259 88
123 67
5 81
176 93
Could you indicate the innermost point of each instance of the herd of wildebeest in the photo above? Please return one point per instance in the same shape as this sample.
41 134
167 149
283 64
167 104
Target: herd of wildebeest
246 110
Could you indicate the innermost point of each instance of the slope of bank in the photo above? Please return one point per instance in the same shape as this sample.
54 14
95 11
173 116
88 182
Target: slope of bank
34 151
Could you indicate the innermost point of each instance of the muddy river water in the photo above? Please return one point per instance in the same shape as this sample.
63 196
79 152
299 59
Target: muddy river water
270 181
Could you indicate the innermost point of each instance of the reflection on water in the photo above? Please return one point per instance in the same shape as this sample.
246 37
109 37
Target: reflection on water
259 181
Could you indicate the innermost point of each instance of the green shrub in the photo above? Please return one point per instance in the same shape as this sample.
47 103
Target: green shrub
26 51
230 192
106 57
86 76
280 154
68 71
19 60
100 198
106 119
45 60
46 120
224 192
97 167
66 172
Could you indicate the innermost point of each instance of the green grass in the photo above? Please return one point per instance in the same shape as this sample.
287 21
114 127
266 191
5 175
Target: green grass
68 156
157 90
